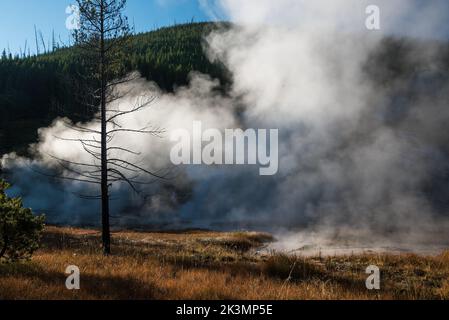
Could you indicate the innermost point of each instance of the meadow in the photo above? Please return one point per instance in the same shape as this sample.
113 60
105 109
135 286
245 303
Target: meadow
200 264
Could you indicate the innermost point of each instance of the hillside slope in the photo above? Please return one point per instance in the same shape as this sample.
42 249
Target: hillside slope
35 90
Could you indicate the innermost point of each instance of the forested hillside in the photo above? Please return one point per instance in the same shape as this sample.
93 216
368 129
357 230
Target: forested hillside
35 90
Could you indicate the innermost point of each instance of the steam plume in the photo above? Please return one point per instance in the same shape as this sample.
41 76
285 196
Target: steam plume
355 153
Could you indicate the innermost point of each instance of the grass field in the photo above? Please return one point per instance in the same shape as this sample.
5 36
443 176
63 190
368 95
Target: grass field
211 265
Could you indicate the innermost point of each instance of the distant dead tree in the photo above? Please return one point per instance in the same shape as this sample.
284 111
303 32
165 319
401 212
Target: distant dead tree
103 36
37 41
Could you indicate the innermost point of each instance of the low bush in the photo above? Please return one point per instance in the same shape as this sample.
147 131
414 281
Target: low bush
20 229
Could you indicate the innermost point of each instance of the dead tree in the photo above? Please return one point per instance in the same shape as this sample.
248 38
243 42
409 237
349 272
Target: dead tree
103 35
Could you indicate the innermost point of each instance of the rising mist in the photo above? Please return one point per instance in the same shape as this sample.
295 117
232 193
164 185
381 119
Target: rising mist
360 148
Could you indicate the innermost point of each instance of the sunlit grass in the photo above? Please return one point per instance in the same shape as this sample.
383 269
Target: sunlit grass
211 265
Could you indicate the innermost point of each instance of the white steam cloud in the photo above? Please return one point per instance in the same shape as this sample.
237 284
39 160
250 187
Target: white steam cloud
355 154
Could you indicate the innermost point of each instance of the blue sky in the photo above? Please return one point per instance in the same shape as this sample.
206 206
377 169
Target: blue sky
18 17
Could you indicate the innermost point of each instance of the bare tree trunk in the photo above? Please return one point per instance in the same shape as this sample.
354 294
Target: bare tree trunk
5 246
103 35
104 158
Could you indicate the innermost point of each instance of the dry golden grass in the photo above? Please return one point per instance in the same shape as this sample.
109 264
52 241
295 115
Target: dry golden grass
211 265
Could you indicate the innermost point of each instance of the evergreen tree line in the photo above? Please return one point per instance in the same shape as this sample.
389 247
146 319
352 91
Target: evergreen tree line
34 90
